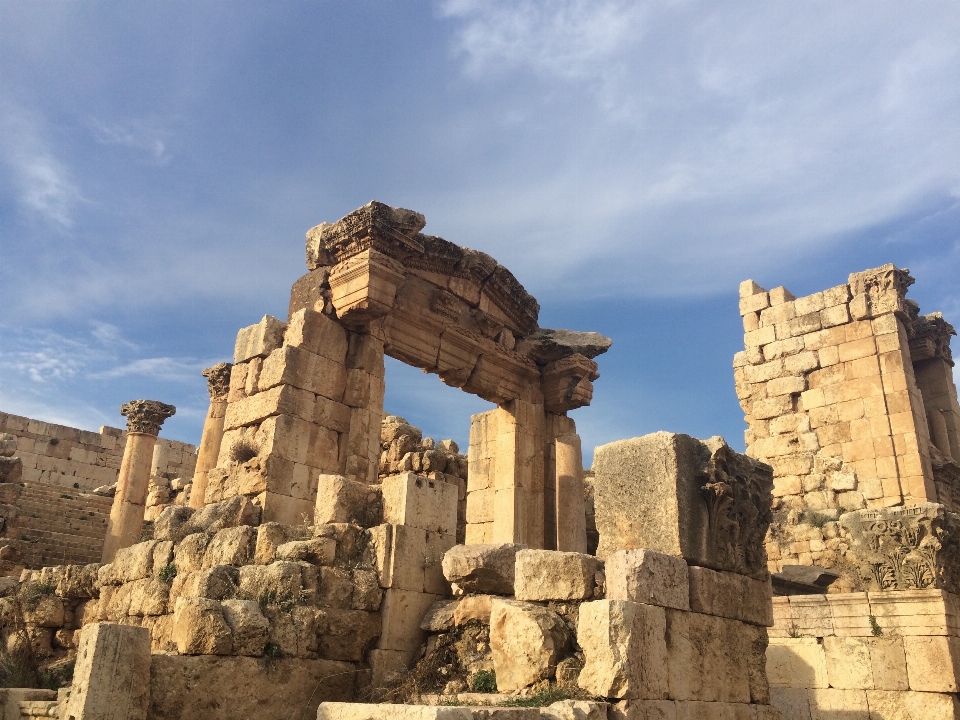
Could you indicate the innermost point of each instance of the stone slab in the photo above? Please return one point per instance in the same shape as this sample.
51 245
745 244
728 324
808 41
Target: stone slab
647 576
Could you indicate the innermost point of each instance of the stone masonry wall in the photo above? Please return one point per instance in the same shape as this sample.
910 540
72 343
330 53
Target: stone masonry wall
61 455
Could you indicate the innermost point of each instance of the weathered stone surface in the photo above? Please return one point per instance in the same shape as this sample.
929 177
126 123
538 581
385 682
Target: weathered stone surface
402 612
905 548
231 546
707 658
340 500
217 583
486 568
796 662
933 663
526 642
46 611
473 607
647 576
270 536
551 575
200 629
189 553
624 648
685 497
130 563
111 680
318 551
170 522
575 710
347 634
11 469
730 595
889 705
410 499
249 629
280 579
439 617
229 688
545 345
213 517
259 340
8 445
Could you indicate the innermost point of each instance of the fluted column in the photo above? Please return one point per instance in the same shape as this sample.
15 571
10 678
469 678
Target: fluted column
144 418
218 384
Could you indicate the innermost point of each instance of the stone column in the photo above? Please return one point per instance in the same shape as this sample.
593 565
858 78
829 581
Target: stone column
218 384
144 418
571 519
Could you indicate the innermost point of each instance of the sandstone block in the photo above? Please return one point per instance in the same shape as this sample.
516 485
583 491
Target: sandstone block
217 583
796 662
649 493
707 658
646 576
200 629
526 642
542 575
111 679
398 553
888 663
473 607
848 663
625 649
316 551
259 340
410 499
280 400
270 536
302 369
487 568
279 579
731 596
129 564
933 663
346 634
340 500
889 705
249 629
439 617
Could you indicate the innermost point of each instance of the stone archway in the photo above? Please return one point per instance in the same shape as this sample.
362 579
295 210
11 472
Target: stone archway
306 395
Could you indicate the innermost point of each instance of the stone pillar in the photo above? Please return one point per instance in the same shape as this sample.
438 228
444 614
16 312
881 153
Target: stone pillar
218 384
144 418
112 675
568 510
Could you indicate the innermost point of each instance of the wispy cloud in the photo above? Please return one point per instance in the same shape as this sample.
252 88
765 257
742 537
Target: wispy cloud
158 368
144 137
44 183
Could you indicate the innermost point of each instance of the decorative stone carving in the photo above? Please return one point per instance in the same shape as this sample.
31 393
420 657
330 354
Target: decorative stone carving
374 226
218 380
568 383
906 548
146 416
364 286
880 291
931 338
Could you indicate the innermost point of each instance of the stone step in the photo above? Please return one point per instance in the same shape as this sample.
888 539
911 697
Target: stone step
55 492
34 511
66 501
64 545
63 531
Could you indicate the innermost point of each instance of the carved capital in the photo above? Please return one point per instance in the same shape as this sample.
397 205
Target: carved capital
568 383
931 338
364 287
146 416
915 547
218 380
880 291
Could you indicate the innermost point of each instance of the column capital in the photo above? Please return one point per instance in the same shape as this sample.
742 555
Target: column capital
218 380
146 416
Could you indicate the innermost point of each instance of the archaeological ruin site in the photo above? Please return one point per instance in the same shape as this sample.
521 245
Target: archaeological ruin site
315 557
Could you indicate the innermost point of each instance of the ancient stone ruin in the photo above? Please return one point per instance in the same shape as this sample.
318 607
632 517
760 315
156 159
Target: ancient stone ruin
315 556
849 396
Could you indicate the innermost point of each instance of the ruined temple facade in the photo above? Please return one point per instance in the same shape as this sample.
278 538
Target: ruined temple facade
305 396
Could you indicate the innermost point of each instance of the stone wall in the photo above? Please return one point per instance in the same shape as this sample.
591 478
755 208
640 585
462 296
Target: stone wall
70 457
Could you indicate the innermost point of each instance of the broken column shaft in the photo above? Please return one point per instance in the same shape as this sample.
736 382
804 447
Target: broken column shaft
218 384
144 418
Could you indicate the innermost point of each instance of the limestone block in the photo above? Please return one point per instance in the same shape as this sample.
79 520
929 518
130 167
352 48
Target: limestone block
303 369
335 588
111 679
436 547
402 612
888 663
235 688
575 710
46 611
473 607
284 508
200 629
281 579
683 497
170 522
796 662
729 595
398 553
217 583
410 499
933 663
359 711
486 568
848 663
214 517
189 553
439 617
138 598
293 630
230 546
340 500
833 703
346 634
270 536
364 286
890 705
280 400
793 703
755 659
706 658
526 642
646 576
542 575
130 563
302 442
317 333
624 649
249 629
259 340
316 551
387 665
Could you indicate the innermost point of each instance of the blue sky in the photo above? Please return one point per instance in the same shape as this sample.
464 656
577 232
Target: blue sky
631 163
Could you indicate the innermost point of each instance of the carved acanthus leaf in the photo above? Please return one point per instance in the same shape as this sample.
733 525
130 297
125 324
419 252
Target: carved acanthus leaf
146 416
218 380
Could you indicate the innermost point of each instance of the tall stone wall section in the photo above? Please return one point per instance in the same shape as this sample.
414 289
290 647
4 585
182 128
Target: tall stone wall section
61 455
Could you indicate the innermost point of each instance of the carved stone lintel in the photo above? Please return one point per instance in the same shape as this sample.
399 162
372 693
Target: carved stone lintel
931 338
568 383
218 380
375 226
146 416
364 287
915 547
880 291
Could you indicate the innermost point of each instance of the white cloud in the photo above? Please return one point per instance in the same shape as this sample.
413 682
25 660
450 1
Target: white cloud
158 368
142 136
44 182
